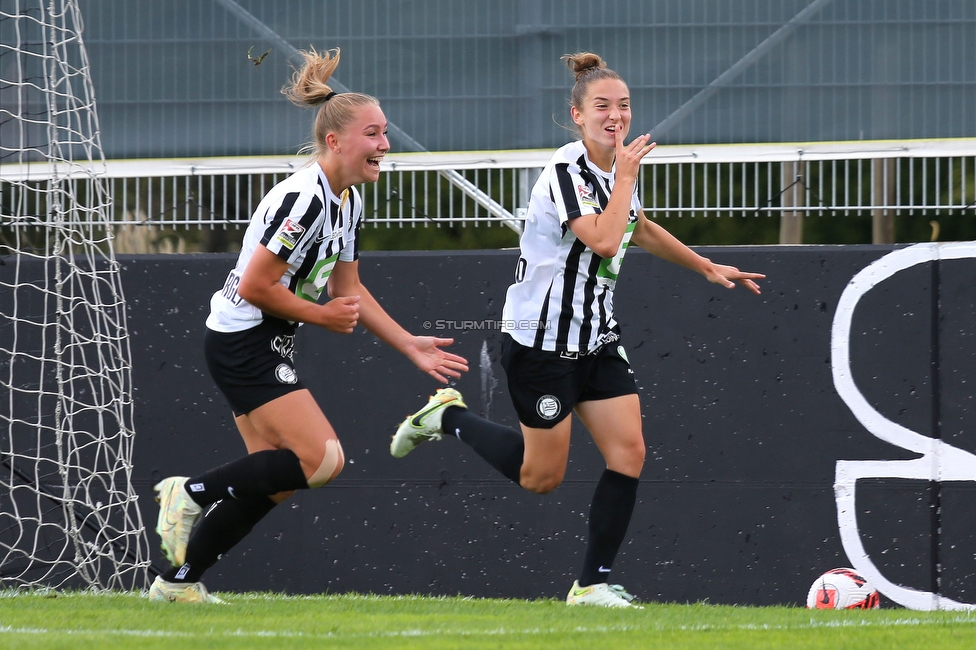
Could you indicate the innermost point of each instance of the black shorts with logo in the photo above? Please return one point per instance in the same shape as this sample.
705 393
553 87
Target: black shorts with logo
545 386
255 366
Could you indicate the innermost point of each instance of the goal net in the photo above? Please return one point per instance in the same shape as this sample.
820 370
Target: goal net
69 515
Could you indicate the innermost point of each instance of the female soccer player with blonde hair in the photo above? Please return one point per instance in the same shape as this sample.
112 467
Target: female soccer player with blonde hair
303 239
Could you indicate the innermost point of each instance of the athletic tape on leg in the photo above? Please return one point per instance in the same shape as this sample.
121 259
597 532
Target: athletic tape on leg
331 465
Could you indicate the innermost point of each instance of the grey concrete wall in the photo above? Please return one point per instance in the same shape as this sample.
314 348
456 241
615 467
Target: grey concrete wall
742 422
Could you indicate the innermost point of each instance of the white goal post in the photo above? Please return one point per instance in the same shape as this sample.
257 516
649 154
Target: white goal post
69 515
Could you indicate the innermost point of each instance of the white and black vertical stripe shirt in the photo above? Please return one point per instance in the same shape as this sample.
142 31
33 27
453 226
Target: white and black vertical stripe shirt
301 221
562 299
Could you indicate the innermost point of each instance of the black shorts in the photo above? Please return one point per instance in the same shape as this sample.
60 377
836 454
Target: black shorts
255 366
545 386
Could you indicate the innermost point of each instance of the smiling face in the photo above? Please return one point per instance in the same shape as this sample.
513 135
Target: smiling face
605 108
354 154
363 143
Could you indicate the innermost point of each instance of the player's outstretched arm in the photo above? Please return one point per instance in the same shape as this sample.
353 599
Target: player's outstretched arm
658 241
426 352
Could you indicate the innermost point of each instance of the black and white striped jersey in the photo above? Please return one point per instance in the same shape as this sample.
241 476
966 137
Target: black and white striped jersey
301 221
562 298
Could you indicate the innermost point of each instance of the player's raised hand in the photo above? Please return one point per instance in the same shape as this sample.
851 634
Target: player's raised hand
341 314
628 157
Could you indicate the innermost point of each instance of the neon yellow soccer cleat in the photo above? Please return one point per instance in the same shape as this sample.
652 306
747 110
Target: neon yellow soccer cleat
425 424
181 592
178 513
599 595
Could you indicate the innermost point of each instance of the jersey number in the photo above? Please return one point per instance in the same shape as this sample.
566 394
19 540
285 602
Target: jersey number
520 267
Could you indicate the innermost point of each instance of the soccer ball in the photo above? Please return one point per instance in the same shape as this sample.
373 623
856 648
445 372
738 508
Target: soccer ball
842 589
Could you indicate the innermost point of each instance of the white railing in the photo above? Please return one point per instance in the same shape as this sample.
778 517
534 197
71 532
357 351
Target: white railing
924 178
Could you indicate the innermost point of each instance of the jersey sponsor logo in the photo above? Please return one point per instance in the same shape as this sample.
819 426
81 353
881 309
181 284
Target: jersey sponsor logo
609 269
286 374
548 407
311 288
284 344
291 231
586 196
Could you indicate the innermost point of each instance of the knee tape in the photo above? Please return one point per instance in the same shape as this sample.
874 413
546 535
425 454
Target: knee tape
331 465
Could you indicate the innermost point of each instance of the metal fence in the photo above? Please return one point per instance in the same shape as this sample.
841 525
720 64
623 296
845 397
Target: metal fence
881 180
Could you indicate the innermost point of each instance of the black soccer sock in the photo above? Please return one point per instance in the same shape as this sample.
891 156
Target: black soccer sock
610 511
220 529
260 474
503 447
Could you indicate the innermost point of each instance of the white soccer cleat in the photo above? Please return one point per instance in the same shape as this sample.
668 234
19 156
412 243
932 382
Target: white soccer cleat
425 424
181 592
599 595
178 513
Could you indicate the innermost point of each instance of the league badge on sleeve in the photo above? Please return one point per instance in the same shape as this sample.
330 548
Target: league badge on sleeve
586 197
290 233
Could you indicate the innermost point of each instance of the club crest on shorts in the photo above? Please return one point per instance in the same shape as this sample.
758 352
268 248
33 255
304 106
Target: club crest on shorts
286 374
548 407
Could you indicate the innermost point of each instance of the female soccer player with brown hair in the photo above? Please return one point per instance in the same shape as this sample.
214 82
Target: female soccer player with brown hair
583 213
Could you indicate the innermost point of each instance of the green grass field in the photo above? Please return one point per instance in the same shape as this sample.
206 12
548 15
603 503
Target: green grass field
365 622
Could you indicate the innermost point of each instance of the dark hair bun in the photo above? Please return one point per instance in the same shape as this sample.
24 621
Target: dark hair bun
582 62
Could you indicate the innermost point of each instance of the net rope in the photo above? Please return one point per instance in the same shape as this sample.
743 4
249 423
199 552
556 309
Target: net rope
69 515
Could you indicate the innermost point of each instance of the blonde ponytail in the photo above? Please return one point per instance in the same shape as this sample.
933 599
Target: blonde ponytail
309 87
